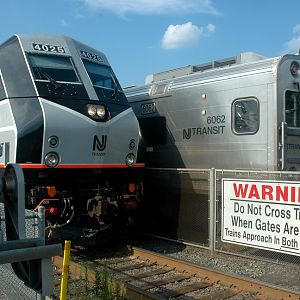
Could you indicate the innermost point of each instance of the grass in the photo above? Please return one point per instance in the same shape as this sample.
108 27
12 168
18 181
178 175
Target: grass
102 287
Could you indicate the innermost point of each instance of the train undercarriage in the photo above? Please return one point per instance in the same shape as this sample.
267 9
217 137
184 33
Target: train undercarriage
93 201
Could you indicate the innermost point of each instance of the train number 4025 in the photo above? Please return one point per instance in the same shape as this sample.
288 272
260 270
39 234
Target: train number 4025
48 48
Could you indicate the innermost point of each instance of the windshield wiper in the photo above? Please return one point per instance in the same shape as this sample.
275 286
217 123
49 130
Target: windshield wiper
114 94
52 81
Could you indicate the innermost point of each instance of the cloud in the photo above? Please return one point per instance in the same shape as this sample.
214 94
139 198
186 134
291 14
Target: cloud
63 22
143 7
293 45
79 16
296 28
211 28
177 36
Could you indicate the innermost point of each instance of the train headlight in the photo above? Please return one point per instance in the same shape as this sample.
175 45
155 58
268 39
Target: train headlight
101 111
97 111
92 110
294 68
51 159
130 159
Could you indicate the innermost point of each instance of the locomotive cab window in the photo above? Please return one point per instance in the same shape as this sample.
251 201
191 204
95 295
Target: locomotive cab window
2 92
245 116
53 68
101 75
292 109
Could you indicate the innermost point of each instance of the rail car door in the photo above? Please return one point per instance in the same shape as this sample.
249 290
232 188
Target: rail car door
290 132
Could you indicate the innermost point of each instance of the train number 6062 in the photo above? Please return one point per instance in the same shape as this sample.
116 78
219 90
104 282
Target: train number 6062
219 119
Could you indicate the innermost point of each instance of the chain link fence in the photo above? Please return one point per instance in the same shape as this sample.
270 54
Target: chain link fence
187 205
11 287
175 204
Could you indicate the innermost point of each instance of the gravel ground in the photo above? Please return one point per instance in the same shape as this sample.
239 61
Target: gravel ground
12 288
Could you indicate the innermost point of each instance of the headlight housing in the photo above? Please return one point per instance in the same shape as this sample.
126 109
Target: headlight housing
91 110
294 68
97 111
53 141
130 159
51 159
132 144
101 113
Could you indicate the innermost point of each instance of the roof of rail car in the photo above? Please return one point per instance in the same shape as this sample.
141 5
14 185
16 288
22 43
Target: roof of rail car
266 65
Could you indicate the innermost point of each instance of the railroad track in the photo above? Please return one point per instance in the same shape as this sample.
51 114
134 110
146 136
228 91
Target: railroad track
147 275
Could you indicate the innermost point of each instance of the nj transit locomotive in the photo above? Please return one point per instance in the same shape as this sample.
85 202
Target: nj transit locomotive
242 112
66 121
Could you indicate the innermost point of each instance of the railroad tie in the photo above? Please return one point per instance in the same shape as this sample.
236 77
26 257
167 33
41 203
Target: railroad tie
157 283
192 287
132 267
146 274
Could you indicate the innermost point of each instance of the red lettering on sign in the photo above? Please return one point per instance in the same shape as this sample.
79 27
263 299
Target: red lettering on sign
282 193
279 193
254 192
267 191
241 190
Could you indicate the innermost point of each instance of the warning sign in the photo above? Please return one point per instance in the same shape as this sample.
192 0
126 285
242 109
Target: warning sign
262 214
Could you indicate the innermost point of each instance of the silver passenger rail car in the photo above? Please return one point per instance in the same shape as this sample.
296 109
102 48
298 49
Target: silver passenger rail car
65 119
242 112
238 113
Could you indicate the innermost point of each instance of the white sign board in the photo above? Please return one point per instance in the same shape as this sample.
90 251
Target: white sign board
262 214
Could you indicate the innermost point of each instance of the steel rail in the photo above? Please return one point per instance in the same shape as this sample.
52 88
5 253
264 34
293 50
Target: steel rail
261 290
233 284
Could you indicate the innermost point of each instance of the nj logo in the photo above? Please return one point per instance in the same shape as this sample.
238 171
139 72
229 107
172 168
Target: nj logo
99 144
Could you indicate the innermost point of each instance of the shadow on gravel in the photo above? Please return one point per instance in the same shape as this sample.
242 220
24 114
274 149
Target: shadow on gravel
274 256
158 245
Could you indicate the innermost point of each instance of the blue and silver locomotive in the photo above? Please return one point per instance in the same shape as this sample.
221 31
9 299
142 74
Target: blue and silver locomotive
66 121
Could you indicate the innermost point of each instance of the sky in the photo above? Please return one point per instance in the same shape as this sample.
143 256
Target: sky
142 37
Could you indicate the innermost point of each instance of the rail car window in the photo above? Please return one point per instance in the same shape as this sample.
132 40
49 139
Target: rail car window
101 75
50 67
292 109
245 116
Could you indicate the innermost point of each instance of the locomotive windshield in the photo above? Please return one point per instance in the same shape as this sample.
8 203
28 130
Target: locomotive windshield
52 68
292 109
101 75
